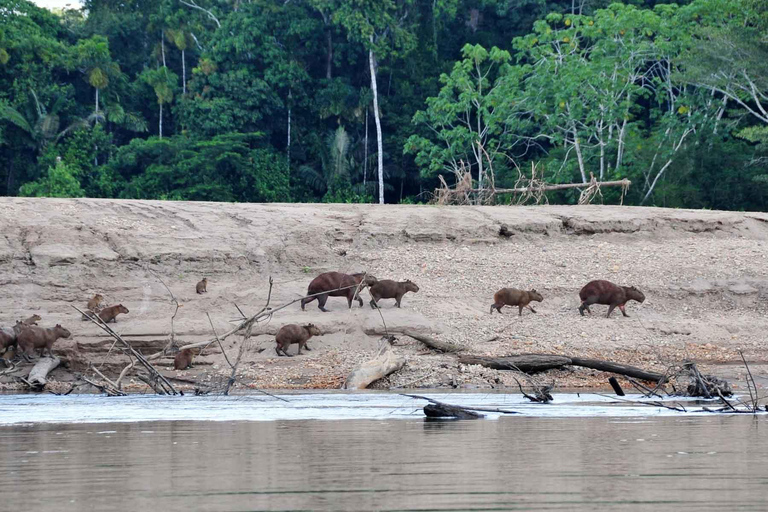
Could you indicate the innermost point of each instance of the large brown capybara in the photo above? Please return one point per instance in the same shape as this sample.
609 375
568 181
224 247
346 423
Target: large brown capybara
202 286
292 333
324 283
183 359
9 335
605 292
388 289
33 338
515 297
110 314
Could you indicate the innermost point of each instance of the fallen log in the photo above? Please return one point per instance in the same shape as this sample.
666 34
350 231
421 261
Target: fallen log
621 369
435 409
38 377
526 363
385 363
442 346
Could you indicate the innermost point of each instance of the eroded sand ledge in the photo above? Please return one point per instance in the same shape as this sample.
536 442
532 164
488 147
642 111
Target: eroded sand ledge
705 274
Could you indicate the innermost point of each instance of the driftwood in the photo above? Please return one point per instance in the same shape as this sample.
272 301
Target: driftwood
533 363
526 363
385 363
437 409
429 341
38 377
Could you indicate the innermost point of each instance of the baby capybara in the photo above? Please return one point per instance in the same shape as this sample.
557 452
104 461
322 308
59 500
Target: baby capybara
32 320
202 286
515 297
292 333
110 314
32 338
605 292
95 302
183 360
388 289
332 281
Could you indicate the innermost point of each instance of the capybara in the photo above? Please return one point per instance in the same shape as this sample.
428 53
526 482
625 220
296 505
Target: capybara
515 297
324 283
32 338
110 314
8 336
292 333
183 360
388 289
32 320
605 292
202 285
95 302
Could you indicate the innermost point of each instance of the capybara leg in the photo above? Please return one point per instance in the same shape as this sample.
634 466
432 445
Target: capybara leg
519 310
358 299
321 300
306 347
373 303
610 310
531 308
398 299
623 311
300 345
585 305
306 301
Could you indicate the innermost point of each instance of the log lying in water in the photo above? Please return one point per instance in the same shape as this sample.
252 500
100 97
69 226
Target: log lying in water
38 376
450 411
533 363
385 362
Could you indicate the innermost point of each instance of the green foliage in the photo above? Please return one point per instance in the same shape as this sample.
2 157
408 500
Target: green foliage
61 181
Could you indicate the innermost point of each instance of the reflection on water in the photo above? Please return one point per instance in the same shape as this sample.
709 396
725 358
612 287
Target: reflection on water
513 463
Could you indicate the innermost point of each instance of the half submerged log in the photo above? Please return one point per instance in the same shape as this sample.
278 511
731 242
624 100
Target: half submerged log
385 363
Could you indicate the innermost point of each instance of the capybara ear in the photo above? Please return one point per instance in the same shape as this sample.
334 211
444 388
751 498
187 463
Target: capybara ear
58 325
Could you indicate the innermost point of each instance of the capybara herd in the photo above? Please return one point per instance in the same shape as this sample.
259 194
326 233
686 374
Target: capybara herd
29 337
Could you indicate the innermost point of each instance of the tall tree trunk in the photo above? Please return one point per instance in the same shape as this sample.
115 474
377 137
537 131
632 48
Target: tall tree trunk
288 146
183 73
601 142
97 100
162 47
579 156
329 57
379 142
365 159
161 121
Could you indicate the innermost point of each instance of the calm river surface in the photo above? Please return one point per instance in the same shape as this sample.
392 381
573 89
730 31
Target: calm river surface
373 452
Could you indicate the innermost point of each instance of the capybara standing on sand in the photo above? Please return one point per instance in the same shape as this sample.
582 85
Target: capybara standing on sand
32 338
332 281
605 292
183 360
202 285
388 289
110 314
515 297
32 320
292 333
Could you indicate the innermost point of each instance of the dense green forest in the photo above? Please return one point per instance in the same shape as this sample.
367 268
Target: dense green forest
277 100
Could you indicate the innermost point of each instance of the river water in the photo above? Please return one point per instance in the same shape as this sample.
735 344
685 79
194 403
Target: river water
373 451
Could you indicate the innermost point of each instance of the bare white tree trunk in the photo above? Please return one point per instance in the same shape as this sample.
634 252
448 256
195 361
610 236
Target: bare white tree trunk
579 156
183 73
379 142
161 120
288 145
365 159
97 100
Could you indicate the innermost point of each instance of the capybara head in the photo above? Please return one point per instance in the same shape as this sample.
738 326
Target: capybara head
634 294
62 332
534 295
98 297
122 309
312 329
204 280
410 286
370 280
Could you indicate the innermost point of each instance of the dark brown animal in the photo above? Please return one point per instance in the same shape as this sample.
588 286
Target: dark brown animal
605 292
202 285
8 336
292 333
388 289
183 360
514 297
324 283
110 314
32 338
95 302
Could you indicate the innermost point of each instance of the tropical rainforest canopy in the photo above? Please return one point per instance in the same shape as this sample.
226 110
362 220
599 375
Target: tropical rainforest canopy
368 100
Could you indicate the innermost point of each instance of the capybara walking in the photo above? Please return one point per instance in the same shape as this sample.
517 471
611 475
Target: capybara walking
202 286
333 280
388 289
9 335
32 320
32 338
110 314
183 359
605 292
292 333
515 297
